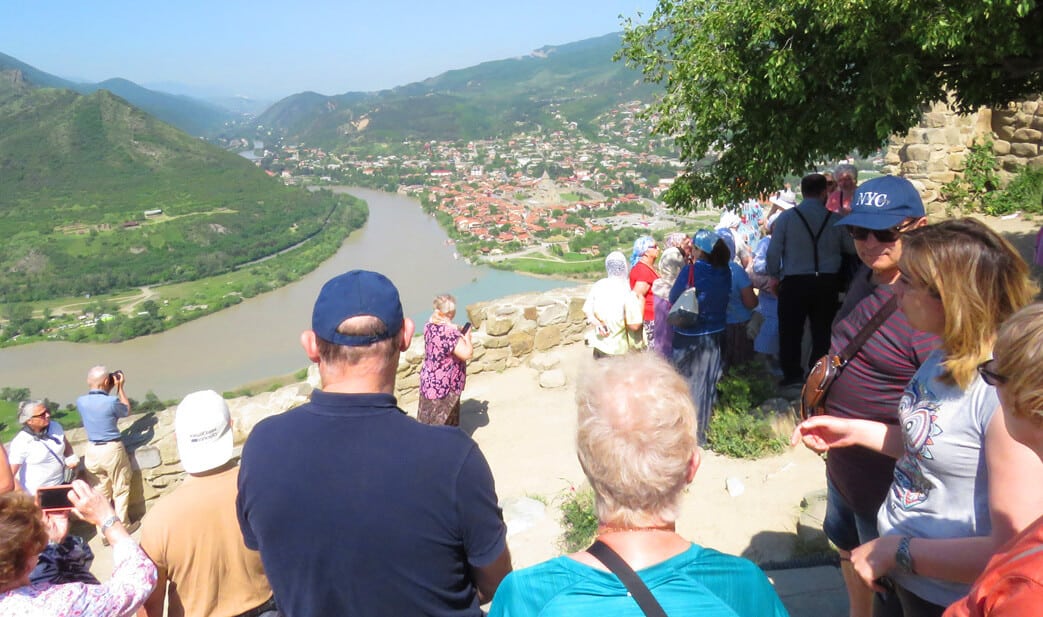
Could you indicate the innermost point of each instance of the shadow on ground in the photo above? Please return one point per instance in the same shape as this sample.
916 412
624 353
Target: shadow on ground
473 414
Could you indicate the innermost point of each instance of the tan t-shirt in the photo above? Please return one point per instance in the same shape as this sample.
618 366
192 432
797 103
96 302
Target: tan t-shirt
194 535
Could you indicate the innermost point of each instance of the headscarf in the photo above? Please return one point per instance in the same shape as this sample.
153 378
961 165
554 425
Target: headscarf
670 264
616 265
728 220
641 245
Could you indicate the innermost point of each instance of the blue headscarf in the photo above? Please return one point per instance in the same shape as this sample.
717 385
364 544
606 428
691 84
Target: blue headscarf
641 245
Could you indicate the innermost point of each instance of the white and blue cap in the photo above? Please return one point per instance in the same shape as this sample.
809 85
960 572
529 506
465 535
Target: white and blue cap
883 203
203 428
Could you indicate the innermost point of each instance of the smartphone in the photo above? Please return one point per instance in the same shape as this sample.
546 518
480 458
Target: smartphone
466 328
54 498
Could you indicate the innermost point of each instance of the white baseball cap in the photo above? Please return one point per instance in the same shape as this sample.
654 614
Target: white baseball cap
203 428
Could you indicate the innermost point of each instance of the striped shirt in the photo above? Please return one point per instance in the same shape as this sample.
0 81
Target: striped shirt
870 387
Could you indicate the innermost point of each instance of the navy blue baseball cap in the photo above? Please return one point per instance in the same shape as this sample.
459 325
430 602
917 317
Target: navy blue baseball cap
883 203
352 294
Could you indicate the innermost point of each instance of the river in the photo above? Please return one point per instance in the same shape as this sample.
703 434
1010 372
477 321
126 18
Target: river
258 338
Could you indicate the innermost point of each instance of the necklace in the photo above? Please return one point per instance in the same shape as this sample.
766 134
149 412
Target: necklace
603 529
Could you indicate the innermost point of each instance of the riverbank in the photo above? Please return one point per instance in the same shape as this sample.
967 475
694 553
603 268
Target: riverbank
258 337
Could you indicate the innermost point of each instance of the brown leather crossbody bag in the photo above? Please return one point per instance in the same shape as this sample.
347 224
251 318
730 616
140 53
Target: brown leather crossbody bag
824 373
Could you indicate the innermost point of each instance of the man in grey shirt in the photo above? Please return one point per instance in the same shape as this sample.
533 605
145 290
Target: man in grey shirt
804 260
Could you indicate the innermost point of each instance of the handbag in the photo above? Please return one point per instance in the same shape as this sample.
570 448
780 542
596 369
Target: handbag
684 313
827 368
637 588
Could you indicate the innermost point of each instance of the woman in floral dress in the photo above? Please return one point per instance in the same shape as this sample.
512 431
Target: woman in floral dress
446 352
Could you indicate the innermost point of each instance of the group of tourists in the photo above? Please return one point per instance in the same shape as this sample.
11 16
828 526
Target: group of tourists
933 431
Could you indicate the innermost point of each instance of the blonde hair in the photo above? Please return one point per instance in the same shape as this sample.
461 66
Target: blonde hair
980 279
1020 361
444 303
636 437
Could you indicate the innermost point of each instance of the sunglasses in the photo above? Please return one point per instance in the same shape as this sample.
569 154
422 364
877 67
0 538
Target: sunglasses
988 375
881 235
41 414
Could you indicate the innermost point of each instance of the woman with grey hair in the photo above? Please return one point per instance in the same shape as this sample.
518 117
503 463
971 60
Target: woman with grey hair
40 452
637 446
444 370
839 201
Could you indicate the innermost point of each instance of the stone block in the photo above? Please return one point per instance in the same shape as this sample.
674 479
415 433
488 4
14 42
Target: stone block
552 379
496 342
942 177
1037 123
1028 135
1012 164
409 381
531 313
1029 107
936 136
937 167
1024 150
547 338
146 457
892 158
935 119
521 343
552 314
1000 147
1004 131
910 168
498 326
1035 163
917 152
476 313
544 361
915 135
956 162
1022 119
576 308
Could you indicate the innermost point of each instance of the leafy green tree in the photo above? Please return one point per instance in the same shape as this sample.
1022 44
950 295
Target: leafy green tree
758 89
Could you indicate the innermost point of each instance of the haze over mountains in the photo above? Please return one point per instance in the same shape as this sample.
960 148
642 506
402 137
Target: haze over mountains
490 99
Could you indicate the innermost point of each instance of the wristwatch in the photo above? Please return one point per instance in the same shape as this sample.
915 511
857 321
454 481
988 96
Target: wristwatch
903 557
109 522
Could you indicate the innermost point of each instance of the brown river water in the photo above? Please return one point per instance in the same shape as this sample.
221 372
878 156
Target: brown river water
258 338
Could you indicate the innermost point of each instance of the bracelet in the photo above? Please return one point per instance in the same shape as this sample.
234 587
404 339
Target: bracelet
108 523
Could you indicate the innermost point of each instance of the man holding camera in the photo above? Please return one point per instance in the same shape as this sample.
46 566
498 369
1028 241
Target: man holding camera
356 508
106 458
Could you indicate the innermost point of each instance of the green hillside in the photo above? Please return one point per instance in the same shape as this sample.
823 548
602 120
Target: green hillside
78 173
488 100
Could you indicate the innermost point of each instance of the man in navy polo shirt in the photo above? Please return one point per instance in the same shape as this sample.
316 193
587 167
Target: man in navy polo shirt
356 508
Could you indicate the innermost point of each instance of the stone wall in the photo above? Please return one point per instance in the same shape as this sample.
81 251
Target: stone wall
933 153
508 332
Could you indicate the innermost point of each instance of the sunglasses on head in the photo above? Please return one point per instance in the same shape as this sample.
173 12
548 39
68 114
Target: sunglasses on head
881 235
990 376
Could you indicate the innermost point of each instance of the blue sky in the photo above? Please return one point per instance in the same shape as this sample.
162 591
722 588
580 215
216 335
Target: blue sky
268 49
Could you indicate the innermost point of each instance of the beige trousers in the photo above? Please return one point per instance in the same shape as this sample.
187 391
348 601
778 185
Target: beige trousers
110 464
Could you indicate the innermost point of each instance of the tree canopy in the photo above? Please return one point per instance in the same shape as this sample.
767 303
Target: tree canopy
759 89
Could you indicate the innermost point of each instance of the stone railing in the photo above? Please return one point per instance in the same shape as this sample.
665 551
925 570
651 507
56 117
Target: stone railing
934 152
508 332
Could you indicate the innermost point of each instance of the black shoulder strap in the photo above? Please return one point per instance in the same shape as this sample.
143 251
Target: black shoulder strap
814 236
637 588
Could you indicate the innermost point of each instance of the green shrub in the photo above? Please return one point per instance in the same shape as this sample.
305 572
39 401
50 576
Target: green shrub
979 189
579 519
738 428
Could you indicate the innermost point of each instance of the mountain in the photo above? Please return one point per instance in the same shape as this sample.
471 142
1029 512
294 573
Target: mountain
188 114
578 80
96 195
